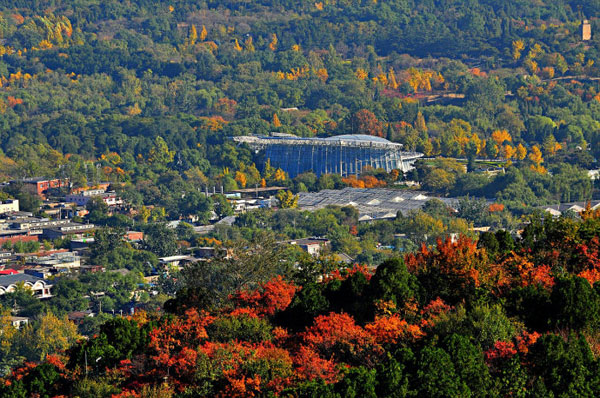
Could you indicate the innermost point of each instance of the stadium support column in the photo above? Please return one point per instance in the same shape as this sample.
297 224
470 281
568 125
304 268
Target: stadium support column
341 160
312 159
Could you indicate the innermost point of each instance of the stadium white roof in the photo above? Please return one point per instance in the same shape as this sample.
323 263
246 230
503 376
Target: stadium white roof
372 203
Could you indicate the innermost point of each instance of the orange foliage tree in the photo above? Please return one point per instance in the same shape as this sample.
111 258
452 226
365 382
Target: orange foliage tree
452 267
272 296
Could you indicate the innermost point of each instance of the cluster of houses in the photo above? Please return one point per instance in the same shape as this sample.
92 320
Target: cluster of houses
37 270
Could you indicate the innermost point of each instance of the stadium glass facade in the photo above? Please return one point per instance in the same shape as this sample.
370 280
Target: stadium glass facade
344 154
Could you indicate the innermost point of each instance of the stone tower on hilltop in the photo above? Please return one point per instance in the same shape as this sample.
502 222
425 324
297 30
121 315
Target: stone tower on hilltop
586 30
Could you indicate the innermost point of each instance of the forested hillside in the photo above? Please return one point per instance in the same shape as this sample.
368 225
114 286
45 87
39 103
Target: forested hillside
145 88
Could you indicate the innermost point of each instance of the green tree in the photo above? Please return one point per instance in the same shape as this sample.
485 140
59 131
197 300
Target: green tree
393 282
575 304
160 240
436 375
160 155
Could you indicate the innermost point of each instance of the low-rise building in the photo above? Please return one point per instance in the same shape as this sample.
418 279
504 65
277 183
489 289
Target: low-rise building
575 207
313 246
9 206
40 287
91 268
74 230
134 236
19 321
8 271
81 199
177 261
78 317
58 261
42 185
36 223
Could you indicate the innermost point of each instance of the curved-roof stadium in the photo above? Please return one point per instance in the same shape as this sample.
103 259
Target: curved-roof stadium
343 154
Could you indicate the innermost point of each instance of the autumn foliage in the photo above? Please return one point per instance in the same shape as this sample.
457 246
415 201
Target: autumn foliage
277 338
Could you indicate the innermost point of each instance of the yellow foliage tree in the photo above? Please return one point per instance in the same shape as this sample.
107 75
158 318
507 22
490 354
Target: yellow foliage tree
501 136
322 74
144 214
535 156
531 65
521 152
551 146
477 142
276 122
53 334
548 72
269 171
237 46
7 332
249 45
193 35
508 151
134 110
279 175
392 79
517 47
287 200
203 33
241 179
420 124
361 74
381 78
273 43
196 176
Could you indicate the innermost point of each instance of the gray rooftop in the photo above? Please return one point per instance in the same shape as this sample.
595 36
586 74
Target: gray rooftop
573 206
372 203
7 280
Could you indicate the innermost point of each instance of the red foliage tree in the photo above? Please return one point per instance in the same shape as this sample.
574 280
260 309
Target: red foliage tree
501 350
338 336
365 122
461 260
309 366
433 311
272 296
171 344
587 255
391 329
517 270
342 274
